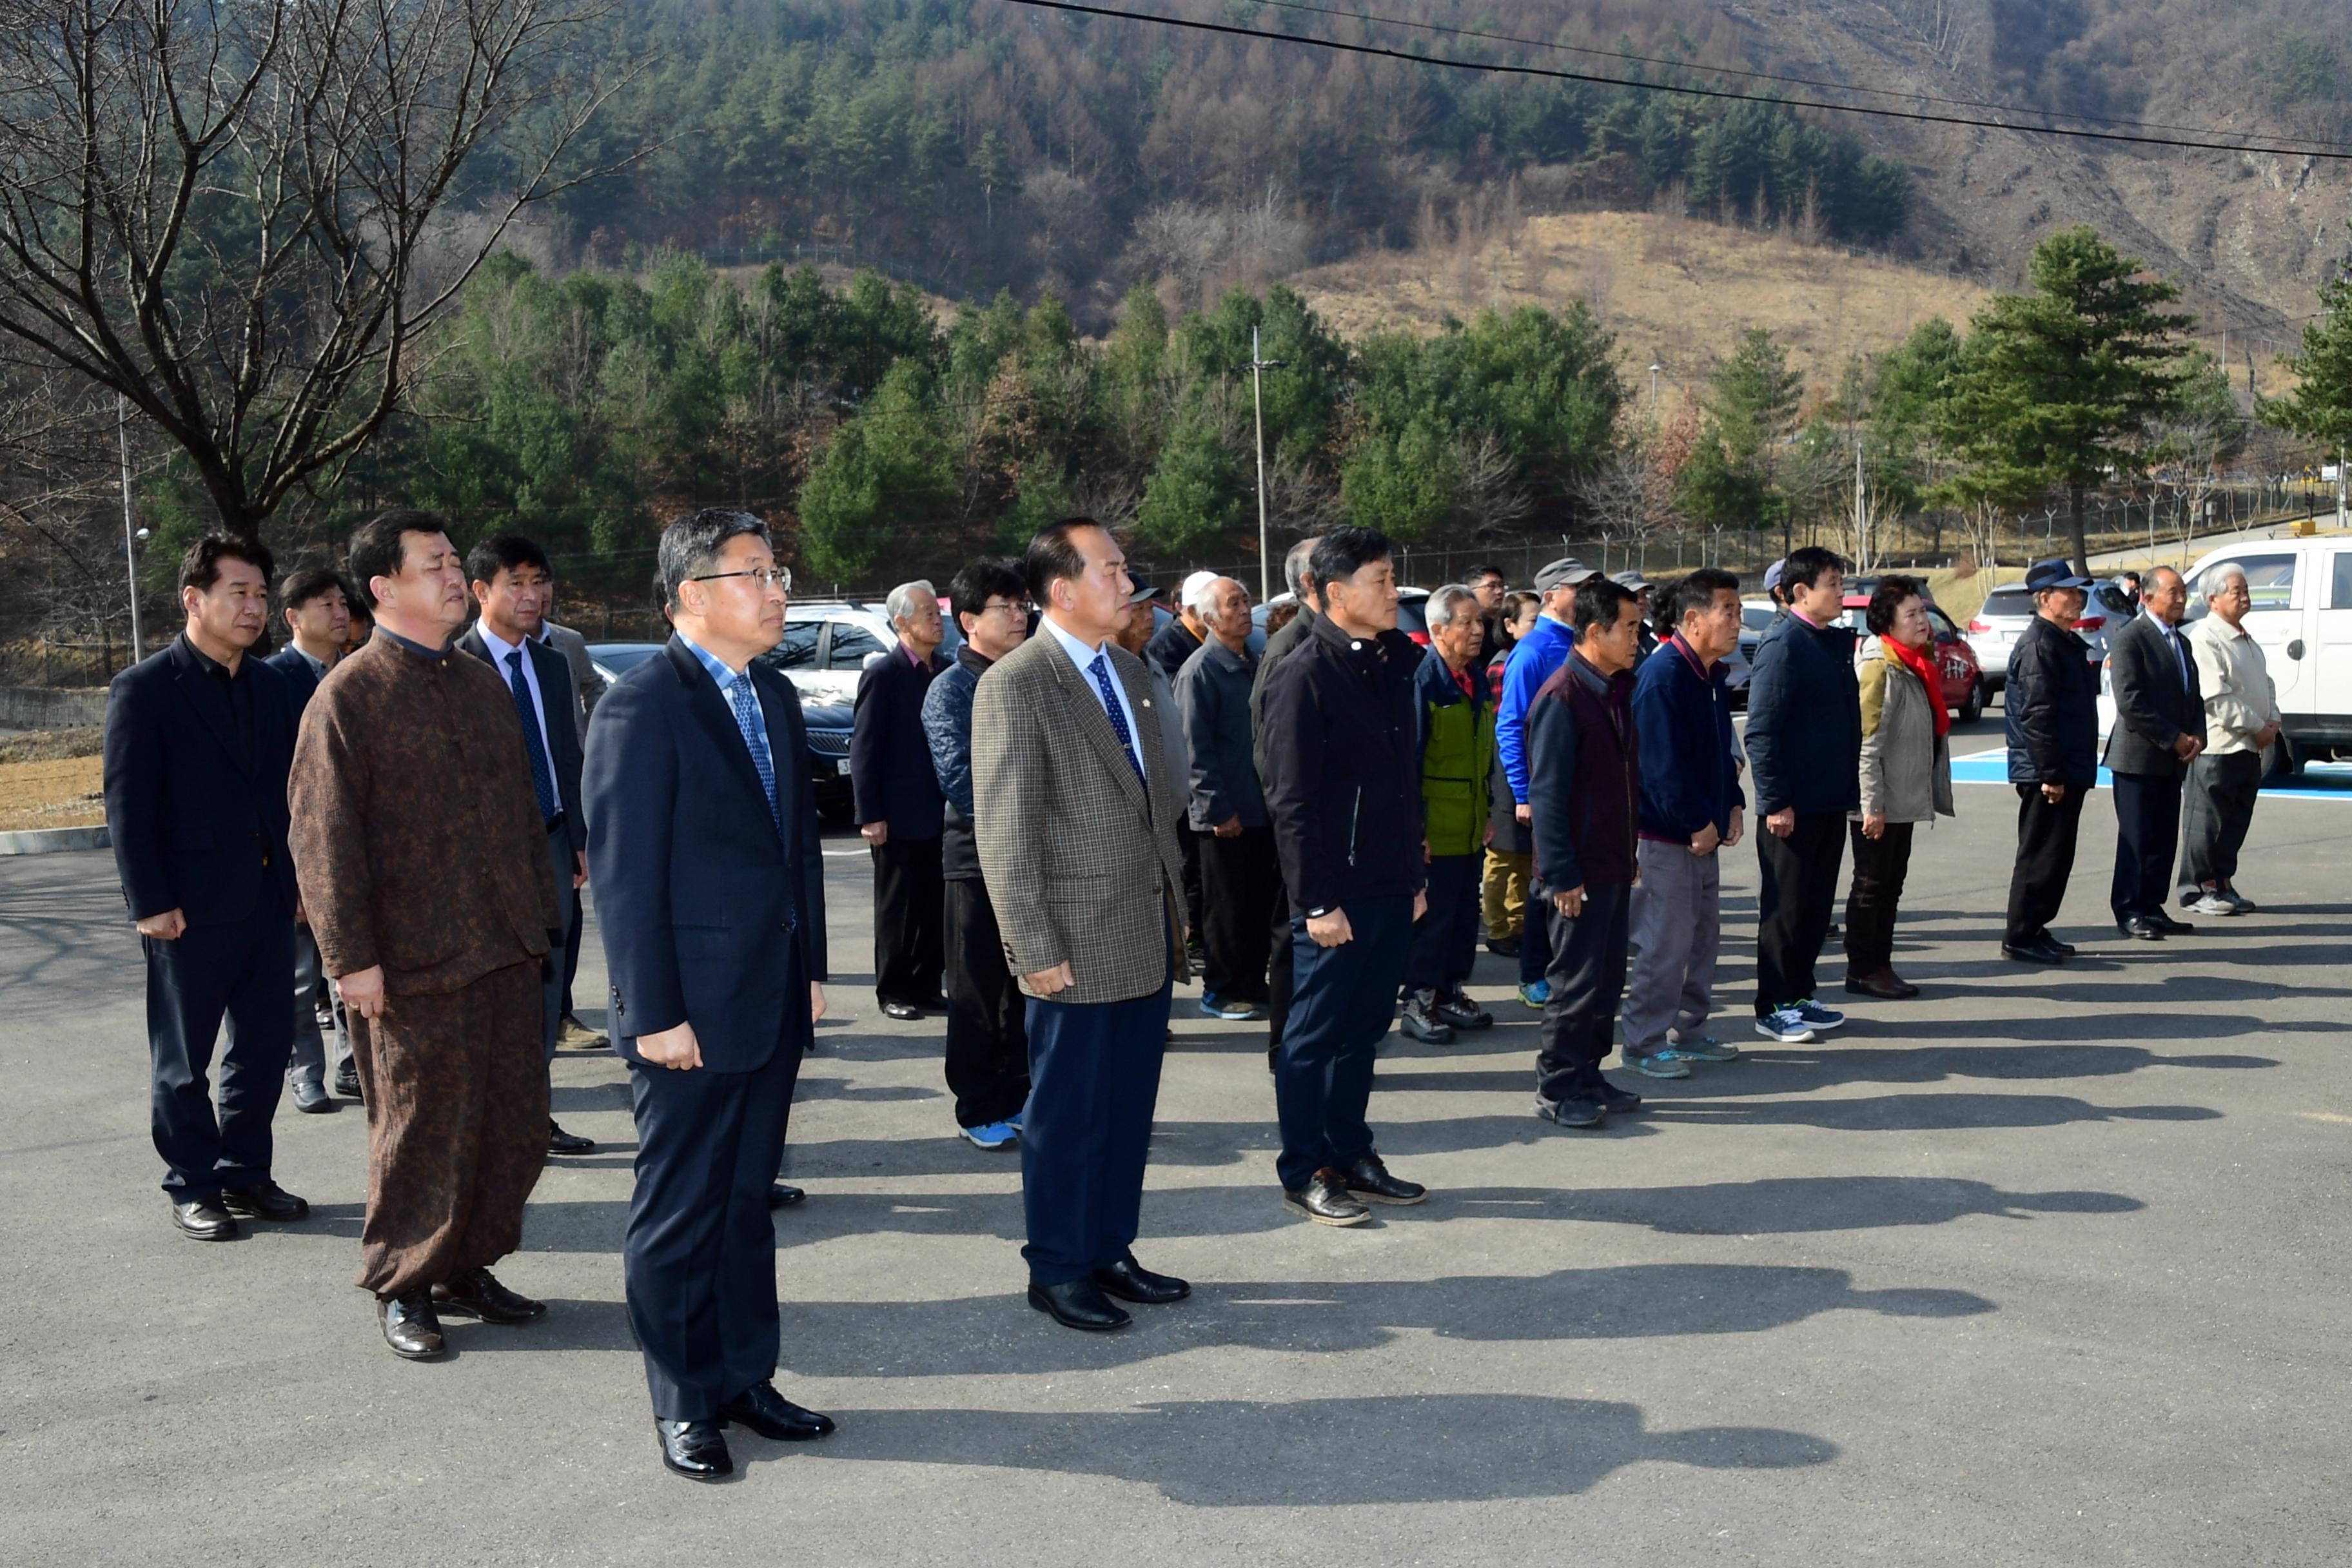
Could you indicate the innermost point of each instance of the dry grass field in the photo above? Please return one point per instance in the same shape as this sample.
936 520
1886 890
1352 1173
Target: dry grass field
50 779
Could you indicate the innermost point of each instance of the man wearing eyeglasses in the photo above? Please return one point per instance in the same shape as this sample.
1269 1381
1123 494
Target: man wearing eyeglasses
899 809
702 850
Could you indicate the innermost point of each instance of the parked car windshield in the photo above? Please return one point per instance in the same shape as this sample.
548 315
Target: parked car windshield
2011 601
2270 579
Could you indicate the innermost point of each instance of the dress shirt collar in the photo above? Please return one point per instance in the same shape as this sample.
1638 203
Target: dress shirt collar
1080 654
434 655
499 647
207 663
710 661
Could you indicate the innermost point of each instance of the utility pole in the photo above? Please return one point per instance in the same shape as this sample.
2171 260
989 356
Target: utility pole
130 539
1861 513
1654 368
1258 365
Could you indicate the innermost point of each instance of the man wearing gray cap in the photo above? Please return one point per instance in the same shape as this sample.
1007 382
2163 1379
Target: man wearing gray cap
2052 698
1645 596
1533 659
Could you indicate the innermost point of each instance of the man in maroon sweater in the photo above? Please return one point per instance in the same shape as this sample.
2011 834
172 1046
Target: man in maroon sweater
1584 786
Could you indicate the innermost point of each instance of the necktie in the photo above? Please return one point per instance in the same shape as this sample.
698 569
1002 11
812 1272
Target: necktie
755 736
543 777
1100 671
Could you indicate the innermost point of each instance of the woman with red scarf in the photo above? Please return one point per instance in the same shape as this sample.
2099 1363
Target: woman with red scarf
1906 779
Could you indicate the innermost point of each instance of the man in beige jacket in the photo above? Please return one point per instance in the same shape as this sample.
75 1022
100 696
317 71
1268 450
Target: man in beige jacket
2241 719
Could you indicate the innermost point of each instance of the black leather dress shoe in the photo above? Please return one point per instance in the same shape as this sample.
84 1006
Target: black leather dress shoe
2068 948
266 1201
2172 927
2140 926
761 1408
1885 985
1614 1100
478 1293
695 1449
347 1082
1369 1179
2041 950
205 1220
559 1141
313 1097
1078 1305
905 1012
1326 1200
1131 1281
410 1326
781 1196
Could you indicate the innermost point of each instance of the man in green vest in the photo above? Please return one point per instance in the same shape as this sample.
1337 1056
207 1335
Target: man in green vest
1457 754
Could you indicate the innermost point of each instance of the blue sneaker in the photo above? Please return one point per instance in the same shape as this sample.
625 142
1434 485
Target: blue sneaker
1231 1012
1536 994
1668 1063
1818 1017
1787 1026
1707 1048
991 1134
1015 1120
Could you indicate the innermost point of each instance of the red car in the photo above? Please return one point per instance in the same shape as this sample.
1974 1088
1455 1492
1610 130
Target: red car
1964 684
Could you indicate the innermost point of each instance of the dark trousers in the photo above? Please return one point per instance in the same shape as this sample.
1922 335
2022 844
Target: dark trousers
1093 1079
1342 1003
2046 859
2148 831
1587 980
553 987
1880 865
572 950
988 1039
2220 795
1281 974
700 1259
1241 891
1446 938
1794 899
1535 936
1188 844
909 948
236 971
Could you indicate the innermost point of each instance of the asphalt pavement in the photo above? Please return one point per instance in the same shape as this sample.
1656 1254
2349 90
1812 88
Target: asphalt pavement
2044 1268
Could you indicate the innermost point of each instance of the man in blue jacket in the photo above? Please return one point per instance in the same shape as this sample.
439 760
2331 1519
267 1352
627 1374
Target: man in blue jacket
319 617
2052 703
1584 764
1531 663
1804 752
199 743
702 844
1690 813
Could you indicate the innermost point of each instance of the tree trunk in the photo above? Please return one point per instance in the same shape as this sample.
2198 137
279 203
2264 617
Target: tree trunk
2074 530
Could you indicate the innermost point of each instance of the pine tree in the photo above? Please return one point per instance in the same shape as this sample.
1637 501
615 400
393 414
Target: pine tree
2320 407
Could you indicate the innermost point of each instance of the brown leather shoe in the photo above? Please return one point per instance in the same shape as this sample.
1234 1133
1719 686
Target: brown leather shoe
409 1326
477 1293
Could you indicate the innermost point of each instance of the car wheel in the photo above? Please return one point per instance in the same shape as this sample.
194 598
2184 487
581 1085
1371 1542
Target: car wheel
1973 709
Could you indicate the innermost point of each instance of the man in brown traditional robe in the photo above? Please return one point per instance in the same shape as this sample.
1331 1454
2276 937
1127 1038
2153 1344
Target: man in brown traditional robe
424 865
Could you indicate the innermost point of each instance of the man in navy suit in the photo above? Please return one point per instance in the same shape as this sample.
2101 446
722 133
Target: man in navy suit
318 617
702 843
900 810
513 585
199 741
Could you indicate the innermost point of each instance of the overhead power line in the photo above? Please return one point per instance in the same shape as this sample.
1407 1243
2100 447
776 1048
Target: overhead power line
1775 76
1915 115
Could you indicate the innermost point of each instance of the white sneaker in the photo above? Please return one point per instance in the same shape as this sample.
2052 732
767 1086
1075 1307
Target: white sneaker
1787 1026
2213 904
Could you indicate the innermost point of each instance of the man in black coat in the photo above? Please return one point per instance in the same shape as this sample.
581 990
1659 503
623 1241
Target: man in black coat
513 583
710 895
901 811
1299 576
1804 753
318 615
199 743
2159 727
1341 740
2052 703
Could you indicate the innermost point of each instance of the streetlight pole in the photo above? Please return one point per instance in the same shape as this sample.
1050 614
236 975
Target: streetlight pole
129 542
1258 365
1654 368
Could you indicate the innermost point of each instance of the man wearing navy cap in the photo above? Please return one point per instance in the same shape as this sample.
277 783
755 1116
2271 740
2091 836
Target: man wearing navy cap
2052 698
1532 661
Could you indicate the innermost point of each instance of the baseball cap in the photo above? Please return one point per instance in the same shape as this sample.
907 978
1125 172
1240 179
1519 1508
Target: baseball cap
1194 583
2047 574
1632 580
1565 572
1772 574
1143 594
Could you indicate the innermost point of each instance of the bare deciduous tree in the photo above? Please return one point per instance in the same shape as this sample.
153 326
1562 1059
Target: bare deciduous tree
238 214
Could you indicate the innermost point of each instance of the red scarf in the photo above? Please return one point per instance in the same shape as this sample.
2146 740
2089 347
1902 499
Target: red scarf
1920 665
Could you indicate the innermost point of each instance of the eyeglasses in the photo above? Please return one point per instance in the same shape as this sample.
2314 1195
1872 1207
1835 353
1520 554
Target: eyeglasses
1019 612
779 577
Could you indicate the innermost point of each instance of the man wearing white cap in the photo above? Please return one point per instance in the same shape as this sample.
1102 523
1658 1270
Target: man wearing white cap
1180 638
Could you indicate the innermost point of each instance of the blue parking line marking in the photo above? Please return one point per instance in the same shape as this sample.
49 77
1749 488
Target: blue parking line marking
2319 780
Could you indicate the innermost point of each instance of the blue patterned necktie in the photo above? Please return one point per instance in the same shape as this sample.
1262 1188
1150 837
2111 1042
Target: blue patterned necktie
543 777
755 736
1100 671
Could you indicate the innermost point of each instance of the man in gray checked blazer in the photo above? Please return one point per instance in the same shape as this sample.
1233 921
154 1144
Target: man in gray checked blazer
1074 809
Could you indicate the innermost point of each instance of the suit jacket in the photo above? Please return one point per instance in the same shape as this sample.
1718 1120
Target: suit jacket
301 680
711 915
586 684
199 825
890 768
1079 854
556 691
2157 702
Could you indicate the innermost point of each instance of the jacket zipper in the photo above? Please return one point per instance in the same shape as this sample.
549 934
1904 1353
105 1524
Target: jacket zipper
1355 814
